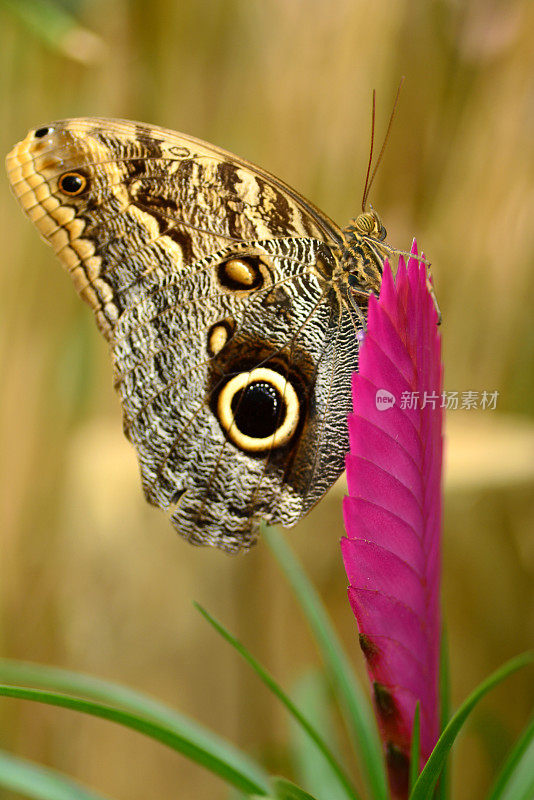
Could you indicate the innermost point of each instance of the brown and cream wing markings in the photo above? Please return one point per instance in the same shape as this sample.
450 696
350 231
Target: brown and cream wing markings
212 281
164 193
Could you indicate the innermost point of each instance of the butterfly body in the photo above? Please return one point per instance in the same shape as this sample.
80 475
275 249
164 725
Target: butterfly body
232 308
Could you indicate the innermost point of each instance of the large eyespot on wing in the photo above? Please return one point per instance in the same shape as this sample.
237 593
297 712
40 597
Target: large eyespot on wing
258 410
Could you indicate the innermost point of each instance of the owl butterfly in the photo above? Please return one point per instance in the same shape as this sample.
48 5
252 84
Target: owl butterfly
232 308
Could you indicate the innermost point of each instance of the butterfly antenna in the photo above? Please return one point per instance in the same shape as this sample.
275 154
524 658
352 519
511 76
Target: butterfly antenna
369 183
365 191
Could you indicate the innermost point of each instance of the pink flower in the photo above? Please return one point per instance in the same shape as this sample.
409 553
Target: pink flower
393 512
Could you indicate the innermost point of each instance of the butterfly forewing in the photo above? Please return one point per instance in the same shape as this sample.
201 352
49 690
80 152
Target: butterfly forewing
211 280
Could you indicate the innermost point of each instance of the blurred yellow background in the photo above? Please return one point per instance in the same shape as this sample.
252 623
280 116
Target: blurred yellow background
94 580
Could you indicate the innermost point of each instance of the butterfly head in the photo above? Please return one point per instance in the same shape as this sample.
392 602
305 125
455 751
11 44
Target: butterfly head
362 256
368 223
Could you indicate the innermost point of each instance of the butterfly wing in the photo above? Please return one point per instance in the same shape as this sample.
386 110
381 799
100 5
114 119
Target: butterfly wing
211 280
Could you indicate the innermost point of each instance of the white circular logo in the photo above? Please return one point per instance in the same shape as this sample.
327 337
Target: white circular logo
384 399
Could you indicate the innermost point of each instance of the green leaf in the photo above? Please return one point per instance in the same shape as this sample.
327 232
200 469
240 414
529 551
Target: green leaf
285 790
352 699
109 693
145 725
311 694
431 771
41 783
516 779
415 747
55 27
271 684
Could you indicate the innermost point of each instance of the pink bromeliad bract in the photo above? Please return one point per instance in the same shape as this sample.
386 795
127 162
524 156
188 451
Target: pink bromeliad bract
393 511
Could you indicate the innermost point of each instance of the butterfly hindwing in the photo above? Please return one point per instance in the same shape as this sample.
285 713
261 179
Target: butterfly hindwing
232 353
